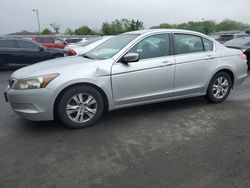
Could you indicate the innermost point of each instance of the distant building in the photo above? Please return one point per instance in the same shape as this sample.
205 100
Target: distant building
24 32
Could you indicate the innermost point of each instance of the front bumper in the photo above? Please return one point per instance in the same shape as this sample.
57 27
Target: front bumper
35 105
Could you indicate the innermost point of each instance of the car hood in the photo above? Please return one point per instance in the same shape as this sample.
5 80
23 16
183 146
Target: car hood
59 65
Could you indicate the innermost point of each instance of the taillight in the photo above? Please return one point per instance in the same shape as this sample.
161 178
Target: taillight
71 52
243 57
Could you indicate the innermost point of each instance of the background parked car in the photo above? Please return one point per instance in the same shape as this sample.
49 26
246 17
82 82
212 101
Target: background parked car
226 37
242 44
83 47
21 52
50 42
74 40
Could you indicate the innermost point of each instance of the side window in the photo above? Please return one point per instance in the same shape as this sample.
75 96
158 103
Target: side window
47 40
7 44
153 46
185 43
27 45
58 41
208 45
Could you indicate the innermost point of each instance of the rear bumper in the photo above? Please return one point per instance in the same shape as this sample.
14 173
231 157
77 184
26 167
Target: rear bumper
240 80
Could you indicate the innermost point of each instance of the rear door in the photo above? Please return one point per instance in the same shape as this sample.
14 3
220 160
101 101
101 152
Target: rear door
31 52
195 61
10 54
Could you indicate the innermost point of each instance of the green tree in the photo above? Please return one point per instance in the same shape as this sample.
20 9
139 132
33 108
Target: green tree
121 26
69 31
228 25
46 31
83 30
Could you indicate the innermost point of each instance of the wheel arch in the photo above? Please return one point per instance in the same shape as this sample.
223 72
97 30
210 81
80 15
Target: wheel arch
59 95
228 71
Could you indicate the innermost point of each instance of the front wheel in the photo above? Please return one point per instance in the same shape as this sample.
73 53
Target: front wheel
219 88
80 107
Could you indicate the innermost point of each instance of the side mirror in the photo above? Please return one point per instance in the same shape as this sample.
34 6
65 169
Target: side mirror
130 57
41 48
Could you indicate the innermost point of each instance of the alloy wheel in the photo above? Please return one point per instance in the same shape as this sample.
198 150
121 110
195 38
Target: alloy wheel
81 107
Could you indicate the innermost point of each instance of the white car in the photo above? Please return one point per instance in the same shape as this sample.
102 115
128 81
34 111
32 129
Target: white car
84 47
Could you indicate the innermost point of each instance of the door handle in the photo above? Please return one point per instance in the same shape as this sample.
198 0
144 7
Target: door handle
166 63
209 57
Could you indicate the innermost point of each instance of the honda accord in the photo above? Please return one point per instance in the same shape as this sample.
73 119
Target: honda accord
130 69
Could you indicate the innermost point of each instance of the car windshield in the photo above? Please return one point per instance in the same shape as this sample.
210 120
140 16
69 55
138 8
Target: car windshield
110 47
238 42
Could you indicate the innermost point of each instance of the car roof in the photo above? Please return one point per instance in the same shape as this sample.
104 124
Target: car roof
149 31
152 31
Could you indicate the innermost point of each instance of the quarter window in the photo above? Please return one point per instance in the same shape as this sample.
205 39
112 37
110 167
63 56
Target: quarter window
185 43
208 45
153 46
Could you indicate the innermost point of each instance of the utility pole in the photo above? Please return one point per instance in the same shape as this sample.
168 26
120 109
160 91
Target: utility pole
38 19
203 19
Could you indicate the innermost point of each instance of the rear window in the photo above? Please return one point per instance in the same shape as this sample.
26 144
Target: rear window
73 40
7 44
238 42
224 38
44 40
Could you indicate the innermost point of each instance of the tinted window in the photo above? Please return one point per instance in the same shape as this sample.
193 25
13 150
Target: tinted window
58 41
7 44
208 45
73 40
153 46
185 43
26 44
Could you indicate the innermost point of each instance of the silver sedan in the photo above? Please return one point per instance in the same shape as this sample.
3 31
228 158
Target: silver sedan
130 69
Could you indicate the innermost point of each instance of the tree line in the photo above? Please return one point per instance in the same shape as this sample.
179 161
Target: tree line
124 25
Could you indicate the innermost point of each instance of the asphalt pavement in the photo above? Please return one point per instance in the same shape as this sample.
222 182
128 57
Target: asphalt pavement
177 144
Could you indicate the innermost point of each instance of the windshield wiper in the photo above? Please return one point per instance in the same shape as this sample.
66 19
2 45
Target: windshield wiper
86 56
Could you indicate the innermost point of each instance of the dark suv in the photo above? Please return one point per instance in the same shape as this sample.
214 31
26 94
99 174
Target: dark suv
20 52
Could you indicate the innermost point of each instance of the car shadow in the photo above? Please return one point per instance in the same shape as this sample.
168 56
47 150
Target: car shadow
114 118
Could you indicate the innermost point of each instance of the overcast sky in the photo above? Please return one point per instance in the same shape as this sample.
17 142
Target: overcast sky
17 15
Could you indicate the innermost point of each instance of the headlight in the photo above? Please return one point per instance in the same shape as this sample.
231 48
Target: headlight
34 82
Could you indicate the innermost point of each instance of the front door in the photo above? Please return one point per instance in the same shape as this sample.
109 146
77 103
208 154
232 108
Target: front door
151 78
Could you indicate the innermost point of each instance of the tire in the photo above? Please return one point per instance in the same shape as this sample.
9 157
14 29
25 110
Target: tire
217 92
75 107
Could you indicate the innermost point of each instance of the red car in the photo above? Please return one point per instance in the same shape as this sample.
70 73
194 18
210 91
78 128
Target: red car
50 42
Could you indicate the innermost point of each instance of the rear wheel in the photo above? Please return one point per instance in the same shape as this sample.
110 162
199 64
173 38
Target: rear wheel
80 107
219 88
